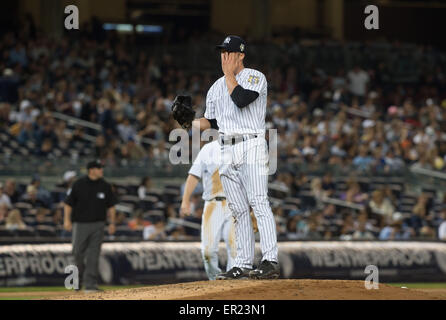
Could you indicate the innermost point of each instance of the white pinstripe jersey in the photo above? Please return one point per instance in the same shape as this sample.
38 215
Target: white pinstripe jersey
231 119
206 166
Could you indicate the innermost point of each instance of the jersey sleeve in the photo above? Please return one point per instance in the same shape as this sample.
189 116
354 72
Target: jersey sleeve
111 197
209 113
71 195
255 81
197 166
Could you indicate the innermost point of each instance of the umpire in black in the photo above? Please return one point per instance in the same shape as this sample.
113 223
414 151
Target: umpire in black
85 213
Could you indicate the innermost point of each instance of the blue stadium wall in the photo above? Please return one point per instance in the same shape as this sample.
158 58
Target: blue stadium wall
161 262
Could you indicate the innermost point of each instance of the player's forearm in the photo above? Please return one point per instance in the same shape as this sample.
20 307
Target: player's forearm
112 215
67 212
231 82
201 124
191 184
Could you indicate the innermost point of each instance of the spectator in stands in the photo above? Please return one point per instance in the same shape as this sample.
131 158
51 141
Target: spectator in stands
126 131
316 188
138 222
381 205
11 191
392 162
41 215
46 137
4 198
291 226
31 197
100 146
358 80
120 219
106 118
348 226
3 213
176 234
302 226
14 221
18 55
329 215
68 179
299 180
363 161
442 227
328 185
144 187
42 193
362 233
354 193
57 216
396 231
313 229
363 227
420 212
133 151
26 134
155 231
427 232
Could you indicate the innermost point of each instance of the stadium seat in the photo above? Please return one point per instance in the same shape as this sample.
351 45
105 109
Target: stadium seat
132 189
147 203
134 200
29 220
23 206
29 232
5 233
151 213
125 231
45 231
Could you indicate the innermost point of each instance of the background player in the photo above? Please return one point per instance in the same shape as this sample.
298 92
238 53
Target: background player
217 221
236 106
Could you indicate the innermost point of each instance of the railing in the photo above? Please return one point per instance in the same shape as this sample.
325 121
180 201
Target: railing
429 173
86 124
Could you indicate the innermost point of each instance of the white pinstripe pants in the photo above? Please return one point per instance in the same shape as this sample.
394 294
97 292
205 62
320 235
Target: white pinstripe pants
244 176
216 224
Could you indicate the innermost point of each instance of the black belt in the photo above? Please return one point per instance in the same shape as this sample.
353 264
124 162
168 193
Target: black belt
218 199
237 139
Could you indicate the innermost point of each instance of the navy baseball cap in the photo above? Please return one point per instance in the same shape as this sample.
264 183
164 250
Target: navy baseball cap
233 44
94 164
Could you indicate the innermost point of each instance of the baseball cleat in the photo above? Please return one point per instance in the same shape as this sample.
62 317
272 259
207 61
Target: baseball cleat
234 274
266 270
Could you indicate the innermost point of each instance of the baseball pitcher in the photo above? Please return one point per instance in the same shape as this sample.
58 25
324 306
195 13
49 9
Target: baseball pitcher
236 107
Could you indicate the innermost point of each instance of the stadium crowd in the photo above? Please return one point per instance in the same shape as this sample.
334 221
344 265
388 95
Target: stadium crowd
371 107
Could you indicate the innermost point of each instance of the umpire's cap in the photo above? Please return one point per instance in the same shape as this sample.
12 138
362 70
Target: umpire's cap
233 44
94 164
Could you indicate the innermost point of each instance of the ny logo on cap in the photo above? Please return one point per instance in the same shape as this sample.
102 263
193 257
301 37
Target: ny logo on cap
227 40
242 47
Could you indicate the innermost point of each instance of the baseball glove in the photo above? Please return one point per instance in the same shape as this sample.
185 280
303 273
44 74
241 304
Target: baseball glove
182 111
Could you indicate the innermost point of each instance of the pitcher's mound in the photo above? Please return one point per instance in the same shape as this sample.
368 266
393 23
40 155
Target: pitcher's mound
289 289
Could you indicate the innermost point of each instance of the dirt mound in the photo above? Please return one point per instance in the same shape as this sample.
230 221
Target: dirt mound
262 290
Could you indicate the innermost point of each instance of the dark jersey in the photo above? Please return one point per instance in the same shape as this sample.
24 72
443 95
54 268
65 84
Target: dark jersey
90 200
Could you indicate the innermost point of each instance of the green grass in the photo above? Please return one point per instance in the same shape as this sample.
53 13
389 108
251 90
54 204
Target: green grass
46 289
50 289
21 298
433 285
